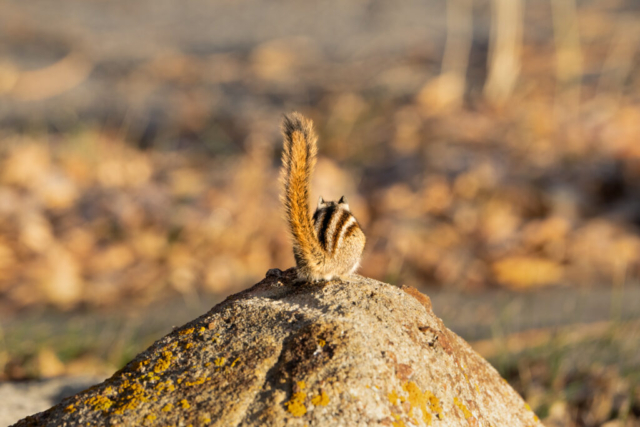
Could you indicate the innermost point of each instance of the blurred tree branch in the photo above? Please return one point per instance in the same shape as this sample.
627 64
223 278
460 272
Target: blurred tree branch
569 62
505 48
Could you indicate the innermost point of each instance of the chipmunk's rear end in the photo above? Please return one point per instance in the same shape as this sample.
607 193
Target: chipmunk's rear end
331 243
340 236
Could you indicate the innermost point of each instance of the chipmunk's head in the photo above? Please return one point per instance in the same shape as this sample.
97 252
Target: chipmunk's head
340 204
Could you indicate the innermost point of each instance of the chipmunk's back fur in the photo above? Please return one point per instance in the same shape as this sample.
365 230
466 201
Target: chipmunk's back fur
329 245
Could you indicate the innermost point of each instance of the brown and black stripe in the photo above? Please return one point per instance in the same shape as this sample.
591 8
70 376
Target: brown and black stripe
333 225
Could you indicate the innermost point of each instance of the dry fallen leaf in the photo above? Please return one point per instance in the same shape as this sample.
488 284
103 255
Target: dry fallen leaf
525 272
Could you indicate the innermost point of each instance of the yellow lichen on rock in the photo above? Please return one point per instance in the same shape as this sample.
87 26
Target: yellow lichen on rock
99 403
321 399
463 408
197 381
139 366
185 404
398 421
296 404
167 407
434 403
187 331
163 363
130 396
151 376
393 397
418 400
165 385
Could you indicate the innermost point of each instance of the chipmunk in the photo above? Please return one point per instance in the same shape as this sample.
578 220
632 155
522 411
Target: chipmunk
330 243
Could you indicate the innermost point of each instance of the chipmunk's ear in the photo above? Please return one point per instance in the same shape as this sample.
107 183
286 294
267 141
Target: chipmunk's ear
343 202
321 203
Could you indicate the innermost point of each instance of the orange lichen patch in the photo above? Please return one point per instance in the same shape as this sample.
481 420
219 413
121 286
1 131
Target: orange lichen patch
434 403
197 381
463 408
187 331
398 422
169 347
129 404
321 399
417 399
163 363
131 395
296 404
321 342
185 404
99 403
70 409
167 407
166 385
393 397
151 376
139 366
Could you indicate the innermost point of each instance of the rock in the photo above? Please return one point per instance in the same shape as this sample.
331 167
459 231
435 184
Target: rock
21 398
356 353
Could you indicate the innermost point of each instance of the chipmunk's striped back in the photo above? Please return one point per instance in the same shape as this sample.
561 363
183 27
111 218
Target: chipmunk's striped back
333 225
331 243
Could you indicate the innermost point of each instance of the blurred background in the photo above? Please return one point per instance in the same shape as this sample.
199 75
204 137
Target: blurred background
489 148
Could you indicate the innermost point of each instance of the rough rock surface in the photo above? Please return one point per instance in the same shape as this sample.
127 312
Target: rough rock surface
21 398
356 353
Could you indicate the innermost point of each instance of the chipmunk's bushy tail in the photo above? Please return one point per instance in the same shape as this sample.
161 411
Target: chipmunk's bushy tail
298 161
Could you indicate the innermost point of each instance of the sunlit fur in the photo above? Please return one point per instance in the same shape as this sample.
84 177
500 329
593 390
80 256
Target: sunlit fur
330 244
